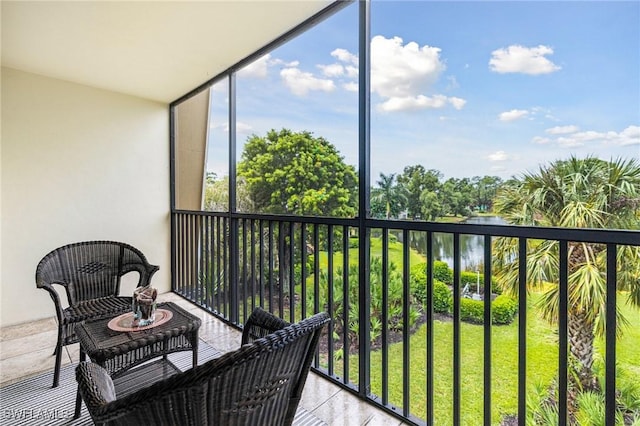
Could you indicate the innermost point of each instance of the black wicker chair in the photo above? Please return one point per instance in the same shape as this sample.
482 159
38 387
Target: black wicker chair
258 384
90 272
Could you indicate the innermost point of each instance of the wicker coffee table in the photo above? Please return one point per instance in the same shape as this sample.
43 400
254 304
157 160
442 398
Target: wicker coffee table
119 351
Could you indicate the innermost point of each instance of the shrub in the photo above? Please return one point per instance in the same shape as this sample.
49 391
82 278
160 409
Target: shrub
591 409
472 310
418 278
442 272
393 308
442 298
418 282
503 309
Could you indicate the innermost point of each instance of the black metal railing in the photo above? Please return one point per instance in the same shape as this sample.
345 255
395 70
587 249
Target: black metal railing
295 266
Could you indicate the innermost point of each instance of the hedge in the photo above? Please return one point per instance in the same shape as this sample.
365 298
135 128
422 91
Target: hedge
503 310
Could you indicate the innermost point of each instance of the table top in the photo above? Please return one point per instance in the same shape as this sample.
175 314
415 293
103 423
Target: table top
97 338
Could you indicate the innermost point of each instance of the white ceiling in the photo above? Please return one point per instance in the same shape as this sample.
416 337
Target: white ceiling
151 49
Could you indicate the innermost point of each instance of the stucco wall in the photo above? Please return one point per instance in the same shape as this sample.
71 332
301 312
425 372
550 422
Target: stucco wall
78 163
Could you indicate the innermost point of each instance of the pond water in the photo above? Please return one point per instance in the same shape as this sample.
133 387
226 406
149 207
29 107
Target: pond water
471 246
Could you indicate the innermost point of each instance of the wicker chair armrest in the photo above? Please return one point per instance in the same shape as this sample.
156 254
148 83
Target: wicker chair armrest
56 299
146 272
260 324
95 386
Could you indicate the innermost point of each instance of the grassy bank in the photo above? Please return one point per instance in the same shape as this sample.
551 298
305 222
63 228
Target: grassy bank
542 362
542 358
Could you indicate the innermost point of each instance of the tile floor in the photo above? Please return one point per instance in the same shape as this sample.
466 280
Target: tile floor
26 350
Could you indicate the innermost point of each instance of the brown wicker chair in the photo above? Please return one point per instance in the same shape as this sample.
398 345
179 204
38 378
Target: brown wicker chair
90 273
259 383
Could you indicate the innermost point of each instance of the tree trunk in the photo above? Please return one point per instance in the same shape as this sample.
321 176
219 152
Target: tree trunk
581 338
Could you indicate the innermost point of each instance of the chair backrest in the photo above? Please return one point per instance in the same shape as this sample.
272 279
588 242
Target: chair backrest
92 269
260 324
260 383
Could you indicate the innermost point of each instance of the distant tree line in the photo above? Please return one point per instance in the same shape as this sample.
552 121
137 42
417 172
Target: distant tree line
420 194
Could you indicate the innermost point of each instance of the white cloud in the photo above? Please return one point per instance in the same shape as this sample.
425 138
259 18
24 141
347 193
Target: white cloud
412 103
572 138
351 86
284 64
514 114
562 130
402 74
300 83
344 75
457 103
520 59
260 67
399 70
570 142
256 69
540 140
629 136
543 112
498 156
243 128
345 56
352 71
332 70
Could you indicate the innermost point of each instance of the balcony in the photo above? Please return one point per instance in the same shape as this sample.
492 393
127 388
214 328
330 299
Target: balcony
230 263
204 269
96 167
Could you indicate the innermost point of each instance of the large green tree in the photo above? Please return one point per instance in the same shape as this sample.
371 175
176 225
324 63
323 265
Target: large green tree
297 173
574 193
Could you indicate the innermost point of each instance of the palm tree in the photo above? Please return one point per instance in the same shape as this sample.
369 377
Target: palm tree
389 194
574 193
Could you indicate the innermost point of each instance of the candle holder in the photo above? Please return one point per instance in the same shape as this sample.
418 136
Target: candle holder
144 305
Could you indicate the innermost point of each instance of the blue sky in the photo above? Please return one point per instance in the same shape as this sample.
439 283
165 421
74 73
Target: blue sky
467 88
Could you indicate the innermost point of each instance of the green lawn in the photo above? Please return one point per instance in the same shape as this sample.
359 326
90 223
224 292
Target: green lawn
395 255
542 353
542 358
542 361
